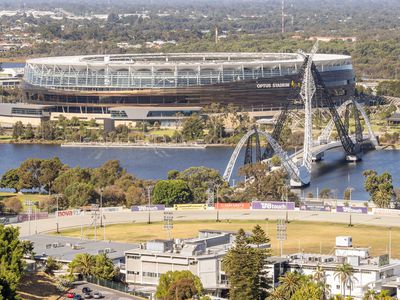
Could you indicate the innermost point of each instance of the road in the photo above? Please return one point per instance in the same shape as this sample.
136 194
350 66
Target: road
108 294
49 225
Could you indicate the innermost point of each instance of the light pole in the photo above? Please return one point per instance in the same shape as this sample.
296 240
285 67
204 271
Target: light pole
57 196
101 207
390 243
216 194
149 204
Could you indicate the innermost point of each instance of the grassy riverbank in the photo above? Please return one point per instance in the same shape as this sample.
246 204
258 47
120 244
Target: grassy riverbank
302 236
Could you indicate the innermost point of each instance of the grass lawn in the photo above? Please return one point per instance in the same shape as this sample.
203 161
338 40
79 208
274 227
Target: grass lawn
38 286
168 132
307 236
5 137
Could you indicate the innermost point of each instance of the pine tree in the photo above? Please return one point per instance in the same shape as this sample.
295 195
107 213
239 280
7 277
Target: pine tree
244 266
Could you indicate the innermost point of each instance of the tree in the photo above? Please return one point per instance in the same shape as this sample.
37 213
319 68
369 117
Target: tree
192 128
170 192
13 205
290 283
200 179
51 265
107 174
104 267
69 176
263 185
49 171
168 279
345 274
10 180
325 193
29 173
182 289
380 187
113 195
347 194
79 194
83 263
29 134
173 174
18 130
244 264
370 295
12 252
135 195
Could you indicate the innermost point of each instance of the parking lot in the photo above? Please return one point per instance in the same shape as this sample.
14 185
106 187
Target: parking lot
108 294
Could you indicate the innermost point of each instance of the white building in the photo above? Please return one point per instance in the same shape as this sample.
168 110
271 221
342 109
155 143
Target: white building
377 273
202 256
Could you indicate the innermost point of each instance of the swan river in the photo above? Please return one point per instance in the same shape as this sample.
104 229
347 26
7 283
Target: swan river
150 163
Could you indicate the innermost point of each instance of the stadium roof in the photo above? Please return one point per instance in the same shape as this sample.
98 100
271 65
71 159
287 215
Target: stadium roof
183 59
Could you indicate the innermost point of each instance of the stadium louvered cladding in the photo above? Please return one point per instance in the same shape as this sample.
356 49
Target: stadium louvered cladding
245 79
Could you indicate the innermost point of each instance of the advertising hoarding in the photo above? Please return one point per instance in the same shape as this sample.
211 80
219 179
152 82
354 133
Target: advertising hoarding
273 205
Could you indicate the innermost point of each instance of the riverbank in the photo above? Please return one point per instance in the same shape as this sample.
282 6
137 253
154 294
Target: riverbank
134 145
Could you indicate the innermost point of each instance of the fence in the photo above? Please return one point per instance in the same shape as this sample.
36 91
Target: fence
118 286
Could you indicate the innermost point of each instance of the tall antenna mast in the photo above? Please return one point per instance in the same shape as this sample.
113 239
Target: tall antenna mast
283 16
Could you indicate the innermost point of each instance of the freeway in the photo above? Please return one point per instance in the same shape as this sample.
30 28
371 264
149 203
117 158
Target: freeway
50 225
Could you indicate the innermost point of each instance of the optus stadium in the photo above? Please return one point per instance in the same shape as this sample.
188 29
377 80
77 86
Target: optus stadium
97 83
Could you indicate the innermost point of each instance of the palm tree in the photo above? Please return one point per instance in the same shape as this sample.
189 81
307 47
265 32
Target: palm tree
383 295
277 294
290 283
320 277
319 274
370 295
345 273
83 264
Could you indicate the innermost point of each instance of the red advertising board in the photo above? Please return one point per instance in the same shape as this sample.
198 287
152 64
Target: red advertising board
241 205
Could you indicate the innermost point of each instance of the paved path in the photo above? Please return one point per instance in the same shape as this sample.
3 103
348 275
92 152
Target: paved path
108 294
48 225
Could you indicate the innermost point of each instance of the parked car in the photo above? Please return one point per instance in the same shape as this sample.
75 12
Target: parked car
70 295
97 295
86 290
78 297
87 295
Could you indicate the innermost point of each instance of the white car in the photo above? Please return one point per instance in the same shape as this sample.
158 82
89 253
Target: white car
97 295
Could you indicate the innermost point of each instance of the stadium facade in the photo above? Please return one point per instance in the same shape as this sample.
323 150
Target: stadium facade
100 84
246 79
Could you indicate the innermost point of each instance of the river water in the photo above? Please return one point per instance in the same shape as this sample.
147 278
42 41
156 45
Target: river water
332 172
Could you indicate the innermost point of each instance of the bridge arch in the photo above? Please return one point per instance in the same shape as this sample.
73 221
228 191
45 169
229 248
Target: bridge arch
327 131
299 175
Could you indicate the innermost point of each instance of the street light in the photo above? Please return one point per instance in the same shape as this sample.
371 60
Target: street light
101 207
148 206
57 197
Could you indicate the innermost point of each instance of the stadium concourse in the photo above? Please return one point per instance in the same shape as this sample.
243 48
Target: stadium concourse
379 218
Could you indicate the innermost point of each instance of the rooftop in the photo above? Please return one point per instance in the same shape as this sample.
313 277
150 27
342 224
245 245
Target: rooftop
182 59
65 248
325 260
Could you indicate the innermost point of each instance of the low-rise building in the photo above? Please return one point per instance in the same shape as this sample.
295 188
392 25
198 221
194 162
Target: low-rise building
33 114
202 256
377 273
64 249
